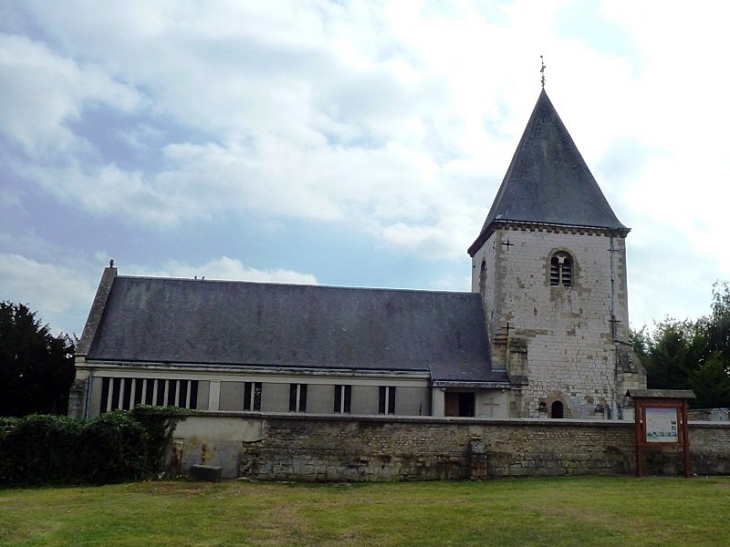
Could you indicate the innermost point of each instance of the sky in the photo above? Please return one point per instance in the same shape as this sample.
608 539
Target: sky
348 143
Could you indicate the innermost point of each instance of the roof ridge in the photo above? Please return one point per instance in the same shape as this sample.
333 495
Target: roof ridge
293 285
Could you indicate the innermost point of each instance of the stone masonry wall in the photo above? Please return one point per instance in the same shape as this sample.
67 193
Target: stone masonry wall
354 449
565 331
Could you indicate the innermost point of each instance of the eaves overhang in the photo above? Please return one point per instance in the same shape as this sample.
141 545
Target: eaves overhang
105 365
471 385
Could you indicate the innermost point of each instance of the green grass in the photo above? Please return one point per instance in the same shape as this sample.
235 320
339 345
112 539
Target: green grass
559 511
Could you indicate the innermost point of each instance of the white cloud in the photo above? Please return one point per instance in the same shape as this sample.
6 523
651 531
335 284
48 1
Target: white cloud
61 292
106 190
224 268
330 113
141 135
40 91
51 282
57 292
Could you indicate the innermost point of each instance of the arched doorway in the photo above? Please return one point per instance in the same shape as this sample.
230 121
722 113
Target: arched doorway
556 409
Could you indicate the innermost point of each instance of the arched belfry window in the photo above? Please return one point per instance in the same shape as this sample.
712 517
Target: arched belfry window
561 270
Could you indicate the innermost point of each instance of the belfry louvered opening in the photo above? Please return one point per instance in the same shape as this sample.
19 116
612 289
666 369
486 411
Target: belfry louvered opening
561 270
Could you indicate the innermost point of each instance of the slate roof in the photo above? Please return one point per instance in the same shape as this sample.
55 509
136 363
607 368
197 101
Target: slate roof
183 321
548 182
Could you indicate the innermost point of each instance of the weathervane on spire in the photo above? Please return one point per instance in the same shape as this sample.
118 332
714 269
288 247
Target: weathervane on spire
542 72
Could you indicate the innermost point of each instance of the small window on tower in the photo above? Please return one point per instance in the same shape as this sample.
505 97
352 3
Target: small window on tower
561 270
483 277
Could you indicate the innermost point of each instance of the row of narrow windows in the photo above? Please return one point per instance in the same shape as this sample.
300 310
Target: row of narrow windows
126 393
561 271
342 399
298 398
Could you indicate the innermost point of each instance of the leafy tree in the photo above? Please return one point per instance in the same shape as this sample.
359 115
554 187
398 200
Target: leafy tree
710 383
691 354
718 329
36 368
671 353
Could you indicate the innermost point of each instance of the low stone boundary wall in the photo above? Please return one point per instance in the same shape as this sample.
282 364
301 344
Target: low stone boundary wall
378 448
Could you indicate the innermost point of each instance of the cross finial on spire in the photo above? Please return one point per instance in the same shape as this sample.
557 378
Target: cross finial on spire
542 72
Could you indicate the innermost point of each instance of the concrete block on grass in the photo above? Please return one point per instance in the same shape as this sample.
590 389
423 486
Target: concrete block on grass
207 473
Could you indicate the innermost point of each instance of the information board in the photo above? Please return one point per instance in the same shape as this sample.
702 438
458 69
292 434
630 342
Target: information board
661 422
661 425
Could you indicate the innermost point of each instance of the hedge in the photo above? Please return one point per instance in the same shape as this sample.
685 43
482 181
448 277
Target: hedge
115 447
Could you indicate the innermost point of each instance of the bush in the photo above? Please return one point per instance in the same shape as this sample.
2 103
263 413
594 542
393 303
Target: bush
39 449
159 425
115 447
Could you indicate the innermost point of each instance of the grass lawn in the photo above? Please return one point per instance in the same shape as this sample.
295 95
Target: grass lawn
558 511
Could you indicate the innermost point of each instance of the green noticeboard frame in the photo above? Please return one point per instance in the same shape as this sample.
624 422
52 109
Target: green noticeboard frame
660 419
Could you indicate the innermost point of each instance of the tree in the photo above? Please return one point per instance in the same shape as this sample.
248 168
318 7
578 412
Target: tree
692 354
36 368
718 328
711 383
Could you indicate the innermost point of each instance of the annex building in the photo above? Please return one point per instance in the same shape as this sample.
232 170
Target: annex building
542 334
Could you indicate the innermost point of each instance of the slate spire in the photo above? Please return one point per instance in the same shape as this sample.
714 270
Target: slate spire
548 182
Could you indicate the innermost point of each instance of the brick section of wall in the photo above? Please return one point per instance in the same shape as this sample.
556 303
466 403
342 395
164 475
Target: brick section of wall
355 449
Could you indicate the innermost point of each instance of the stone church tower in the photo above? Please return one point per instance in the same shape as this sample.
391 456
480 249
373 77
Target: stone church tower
550 264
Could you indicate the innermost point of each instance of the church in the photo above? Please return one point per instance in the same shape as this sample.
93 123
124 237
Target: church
543 333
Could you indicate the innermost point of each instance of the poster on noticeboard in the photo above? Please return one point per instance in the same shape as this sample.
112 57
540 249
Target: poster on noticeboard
661 425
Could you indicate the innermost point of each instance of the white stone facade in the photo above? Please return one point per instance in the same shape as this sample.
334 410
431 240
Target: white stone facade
559 343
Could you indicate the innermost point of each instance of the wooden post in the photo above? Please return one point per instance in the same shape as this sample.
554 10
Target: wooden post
638 409
685 435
